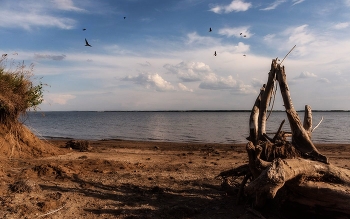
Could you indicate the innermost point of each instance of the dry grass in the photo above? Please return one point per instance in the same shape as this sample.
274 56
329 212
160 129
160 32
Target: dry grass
18 94
17 91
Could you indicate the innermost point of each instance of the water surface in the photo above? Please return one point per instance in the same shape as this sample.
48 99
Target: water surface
210 127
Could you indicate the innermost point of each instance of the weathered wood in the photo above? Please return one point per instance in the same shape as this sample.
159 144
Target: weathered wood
256 165
241 187
254 117
300 137
329 185
265 99
317 125
329 196
278 133
297 166
308 120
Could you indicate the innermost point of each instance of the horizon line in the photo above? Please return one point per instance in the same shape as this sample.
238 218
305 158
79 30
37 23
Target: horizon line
316 110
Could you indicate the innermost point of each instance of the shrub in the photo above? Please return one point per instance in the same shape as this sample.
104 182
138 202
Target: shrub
17 91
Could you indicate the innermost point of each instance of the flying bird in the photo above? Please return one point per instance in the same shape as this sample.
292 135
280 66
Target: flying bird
244 35
215 53
84 29
240 34
210 29
124 18
244 55
4 55
87 43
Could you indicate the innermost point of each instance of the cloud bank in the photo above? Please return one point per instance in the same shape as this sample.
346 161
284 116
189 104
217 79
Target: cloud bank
151 81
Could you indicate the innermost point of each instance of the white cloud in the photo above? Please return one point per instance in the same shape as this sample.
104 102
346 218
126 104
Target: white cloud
301 37
273 5
194 38
118 50
60 99
323 80
189 71
26 20
31 14
67 5
269 38
154 81
215 82
347 2
306 74
184 88
235 31
239 48
311 43
235 5
295 2
340 26
257 83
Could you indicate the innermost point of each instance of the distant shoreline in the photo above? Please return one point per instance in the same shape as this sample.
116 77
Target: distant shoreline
183 111
50 138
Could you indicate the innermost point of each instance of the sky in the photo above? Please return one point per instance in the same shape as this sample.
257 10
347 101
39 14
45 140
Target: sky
159 55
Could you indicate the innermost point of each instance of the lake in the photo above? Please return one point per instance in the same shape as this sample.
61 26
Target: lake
177 126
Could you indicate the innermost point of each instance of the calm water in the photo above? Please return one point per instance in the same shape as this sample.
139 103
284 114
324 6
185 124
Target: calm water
210 127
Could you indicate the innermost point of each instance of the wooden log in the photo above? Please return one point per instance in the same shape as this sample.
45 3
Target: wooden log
300 137
320 184
278 133
254 117
329 196
265 99
308 120
256 165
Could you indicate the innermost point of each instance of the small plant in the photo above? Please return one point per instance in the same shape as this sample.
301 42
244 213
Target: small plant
17 91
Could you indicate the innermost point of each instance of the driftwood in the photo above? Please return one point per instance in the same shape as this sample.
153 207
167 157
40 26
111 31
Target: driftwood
296 166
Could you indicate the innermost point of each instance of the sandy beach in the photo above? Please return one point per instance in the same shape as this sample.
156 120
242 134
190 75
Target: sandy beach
132 179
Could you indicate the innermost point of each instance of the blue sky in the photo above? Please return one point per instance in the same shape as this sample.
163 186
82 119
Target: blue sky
161 56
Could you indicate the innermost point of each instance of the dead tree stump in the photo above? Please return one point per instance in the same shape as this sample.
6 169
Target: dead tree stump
297 166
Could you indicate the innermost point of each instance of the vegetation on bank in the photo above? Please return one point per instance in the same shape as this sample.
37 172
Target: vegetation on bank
18 93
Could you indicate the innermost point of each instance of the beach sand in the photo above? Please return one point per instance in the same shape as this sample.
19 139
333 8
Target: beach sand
132 179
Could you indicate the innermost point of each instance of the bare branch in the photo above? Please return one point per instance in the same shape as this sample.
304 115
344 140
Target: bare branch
317 124
288 53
